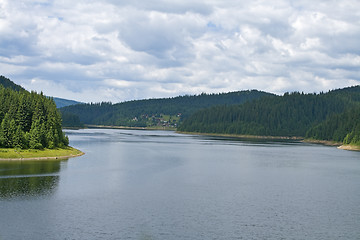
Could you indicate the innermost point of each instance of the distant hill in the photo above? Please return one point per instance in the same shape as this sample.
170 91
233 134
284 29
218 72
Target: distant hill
325 116
156 112
61 102
7 83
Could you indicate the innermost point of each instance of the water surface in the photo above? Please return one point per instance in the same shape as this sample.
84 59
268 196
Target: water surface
162 185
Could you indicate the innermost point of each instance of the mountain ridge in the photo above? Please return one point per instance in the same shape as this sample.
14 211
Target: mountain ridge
152 112
62 102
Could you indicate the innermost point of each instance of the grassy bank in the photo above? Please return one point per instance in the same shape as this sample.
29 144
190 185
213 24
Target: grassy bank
33 154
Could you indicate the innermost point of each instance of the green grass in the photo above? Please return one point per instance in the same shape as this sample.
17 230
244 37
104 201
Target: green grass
12 153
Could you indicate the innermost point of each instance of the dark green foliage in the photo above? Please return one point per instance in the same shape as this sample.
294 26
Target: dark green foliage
289 115
71 120
19 139
344 127
123 114
7 83
6 131
29 120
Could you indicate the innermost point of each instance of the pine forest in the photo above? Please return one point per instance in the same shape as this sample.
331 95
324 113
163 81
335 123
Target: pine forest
29 120
332 116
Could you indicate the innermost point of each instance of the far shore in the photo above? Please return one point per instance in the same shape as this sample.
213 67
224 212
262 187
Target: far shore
125 127
11 154
244 136
324 142
339 145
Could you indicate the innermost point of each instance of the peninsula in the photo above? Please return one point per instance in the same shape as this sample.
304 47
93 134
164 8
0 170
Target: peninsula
7 154
30 125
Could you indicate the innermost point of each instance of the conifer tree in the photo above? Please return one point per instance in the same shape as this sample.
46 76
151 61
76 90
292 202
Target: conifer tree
35 135
5 138
23 115
19 140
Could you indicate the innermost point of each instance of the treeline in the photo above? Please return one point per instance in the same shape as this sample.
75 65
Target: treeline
29 120
294 114
123 114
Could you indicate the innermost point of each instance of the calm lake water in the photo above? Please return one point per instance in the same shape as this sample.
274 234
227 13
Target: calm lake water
134 184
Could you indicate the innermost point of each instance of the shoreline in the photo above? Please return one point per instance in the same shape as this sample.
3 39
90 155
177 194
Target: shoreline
128 128
350 147
339 145
324 142
244 136
76 153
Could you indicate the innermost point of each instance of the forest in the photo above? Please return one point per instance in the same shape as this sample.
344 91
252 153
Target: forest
325 116
150 112
29 120
344 127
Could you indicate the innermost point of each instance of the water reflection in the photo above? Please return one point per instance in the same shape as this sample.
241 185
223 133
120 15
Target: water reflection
28 178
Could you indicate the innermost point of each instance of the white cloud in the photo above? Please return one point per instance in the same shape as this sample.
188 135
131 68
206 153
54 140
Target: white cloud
118 83
124 50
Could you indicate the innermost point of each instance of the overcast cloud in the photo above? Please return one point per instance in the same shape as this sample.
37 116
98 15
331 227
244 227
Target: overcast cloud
117 50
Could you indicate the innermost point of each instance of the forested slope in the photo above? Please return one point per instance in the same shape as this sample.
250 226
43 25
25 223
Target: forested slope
344 127
146 112
289 115
29 120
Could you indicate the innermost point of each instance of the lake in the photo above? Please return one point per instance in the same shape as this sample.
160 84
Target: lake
134 184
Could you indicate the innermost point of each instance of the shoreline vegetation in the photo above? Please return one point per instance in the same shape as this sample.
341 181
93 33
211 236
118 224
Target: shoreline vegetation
13 154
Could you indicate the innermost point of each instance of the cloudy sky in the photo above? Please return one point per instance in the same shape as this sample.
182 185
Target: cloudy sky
118 50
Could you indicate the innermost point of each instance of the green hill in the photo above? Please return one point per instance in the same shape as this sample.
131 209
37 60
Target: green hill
293 114
155 112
